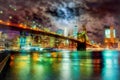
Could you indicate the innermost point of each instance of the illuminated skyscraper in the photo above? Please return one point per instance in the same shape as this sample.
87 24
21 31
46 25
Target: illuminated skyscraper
110 36
75 32
65 31
60 32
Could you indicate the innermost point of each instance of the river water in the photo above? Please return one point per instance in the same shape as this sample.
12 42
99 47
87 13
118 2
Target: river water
65 65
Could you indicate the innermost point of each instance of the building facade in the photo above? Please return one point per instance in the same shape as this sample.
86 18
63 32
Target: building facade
110 37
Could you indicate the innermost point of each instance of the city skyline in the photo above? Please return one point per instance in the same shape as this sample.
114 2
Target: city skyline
64 13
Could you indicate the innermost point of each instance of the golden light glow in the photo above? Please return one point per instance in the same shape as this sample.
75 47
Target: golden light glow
20 25
8 23
1 21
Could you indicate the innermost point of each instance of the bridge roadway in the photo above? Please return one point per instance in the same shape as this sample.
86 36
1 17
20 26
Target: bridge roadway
25 28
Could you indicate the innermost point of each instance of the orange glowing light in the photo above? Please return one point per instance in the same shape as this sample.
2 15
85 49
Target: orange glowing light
1 21
20 25
8 23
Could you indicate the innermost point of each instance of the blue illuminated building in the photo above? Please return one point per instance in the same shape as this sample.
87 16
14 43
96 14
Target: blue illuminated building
75 31
60 31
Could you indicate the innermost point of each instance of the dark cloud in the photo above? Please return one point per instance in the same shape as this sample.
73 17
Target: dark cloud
104 6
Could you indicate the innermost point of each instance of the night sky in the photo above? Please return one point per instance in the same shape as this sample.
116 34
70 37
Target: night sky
58 14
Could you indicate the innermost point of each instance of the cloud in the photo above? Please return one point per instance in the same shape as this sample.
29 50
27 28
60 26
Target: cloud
104 6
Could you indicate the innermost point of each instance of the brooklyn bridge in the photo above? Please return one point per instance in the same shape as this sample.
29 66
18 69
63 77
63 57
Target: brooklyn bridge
36 37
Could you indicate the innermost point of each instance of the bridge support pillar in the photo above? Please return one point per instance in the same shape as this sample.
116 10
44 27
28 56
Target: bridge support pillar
81 46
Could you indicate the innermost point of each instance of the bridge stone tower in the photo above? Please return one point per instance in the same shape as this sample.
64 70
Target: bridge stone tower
82 37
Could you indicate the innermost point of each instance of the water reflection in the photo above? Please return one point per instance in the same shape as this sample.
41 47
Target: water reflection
82 65
111 65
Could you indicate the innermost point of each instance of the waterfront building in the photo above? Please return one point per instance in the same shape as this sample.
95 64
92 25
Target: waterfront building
110 37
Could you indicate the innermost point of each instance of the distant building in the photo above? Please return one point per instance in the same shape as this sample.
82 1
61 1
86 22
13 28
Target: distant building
65 31
1 41
0 34
22 41
110 37
119 44
4 41
75 31
60 31
110 32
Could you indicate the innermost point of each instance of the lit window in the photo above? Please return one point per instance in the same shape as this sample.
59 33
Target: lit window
107 33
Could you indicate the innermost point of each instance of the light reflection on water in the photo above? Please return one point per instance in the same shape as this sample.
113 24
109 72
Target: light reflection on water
84 65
